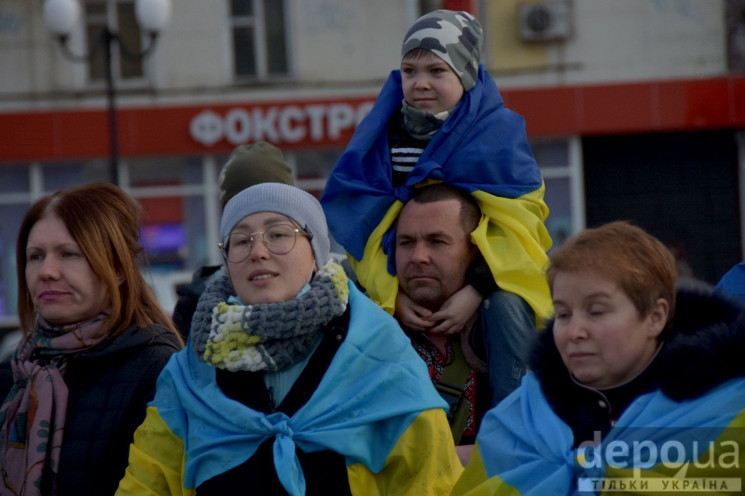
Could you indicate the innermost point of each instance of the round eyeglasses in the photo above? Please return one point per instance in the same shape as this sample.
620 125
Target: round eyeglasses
279 239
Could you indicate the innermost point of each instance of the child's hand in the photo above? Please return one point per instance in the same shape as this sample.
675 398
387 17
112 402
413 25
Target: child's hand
457 310
412 316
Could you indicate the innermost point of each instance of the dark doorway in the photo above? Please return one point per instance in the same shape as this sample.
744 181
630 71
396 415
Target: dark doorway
680 187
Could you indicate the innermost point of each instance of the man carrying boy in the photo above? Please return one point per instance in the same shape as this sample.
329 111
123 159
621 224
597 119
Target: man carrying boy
440 118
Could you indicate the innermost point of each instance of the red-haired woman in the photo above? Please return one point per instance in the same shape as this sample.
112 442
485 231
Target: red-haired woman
637 383
95 340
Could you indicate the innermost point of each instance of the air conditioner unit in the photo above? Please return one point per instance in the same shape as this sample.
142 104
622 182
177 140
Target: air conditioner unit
545 21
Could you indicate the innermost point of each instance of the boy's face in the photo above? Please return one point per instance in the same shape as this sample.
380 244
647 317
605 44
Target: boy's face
429 84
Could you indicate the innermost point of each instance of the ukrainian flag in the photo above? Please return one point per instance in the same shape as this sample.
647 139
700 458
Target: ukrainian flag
657 446
482 148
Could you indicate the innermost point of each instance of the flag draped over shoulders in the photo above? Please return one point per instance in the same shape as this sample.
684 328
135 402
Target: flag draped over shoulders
482 148
656 442
383 383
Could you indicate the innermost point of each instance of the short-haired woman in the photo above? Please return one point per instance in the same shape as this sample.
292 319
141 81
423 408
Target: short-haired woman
633 385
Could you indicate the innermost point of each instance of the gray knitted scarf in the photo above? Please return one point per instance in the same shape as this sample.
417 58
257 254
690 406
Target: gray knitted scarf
271 336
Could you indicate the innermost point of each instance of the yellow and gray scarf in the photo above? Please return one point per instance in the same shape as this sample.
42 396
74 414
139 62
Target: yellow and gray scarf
267 336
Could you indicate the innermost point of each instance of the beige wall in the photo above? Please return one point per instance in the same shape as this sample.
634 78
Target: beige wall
346 40
348 44
612 41
505 50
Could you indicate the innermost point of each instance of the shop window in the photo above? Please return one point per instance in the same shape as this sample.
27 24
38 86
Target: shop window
17 192
12 214
172 193
735 25
259 38
66 175
312 168
14 178
561 169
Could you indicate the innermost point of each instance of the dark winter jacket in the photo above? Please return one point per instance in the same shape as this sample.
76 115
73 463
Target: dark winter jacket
109 387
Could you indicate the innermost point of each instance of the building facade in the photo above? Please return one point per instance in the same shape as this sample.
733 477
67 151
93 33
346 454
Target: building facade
635 110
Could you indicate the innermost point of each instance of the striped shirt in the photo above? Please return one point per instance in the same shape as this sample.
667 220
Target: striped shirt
405 150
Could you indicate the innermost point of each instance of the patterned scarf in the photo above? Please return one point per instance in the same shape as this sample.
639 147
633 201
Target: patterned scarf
33 414
420 124
267 336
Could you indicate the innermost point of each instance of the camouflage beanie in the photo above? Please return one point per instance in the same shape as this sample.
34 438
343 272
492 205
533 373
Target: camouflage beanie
454 36
256 163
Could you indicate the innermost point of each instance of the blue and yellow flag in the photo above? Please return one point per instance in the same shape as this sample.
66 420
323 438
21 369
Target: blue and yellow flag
657 446
482 148
373 390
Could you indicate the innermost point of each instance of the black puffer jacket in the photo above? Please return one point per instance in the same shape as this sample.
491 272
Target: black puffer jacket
109 388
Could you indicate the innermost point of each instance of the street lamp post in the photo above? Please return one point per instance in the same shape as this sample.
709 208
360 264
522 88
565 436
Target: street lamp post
152 15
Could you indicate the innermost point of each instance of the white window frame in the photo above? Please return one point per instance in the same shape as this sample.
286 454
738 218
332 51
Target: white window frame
260 46
574 172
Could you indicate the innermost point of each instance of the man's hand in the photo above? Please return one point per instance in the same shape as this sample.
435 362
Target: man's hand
455 313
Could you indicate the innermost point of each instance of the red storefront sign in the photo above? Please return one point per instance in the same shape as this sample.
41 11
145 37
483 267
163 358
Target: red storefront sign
642 107
160 130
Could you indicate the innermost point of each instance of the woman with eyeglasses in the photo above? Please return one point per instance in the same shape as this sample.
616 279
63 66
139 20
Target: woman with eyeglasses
293 381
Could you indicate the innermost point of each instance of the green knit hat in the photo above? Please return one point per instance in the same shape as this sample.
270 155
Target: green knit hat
256 163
